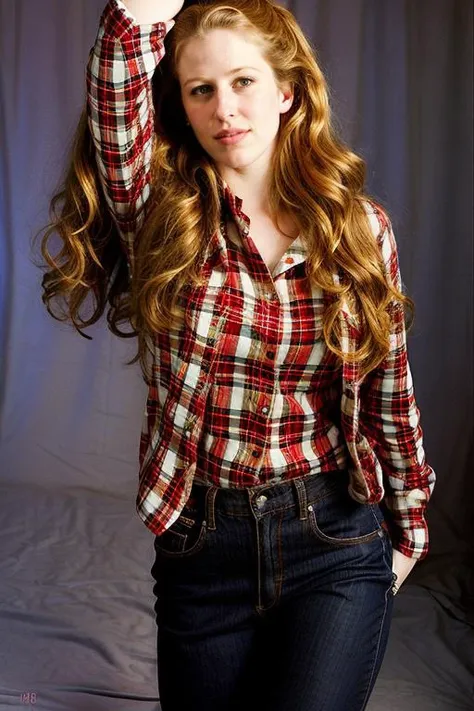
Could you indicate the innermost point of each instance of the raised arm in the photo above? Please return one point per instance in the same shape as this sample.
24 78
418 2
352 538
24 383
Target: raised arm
127 50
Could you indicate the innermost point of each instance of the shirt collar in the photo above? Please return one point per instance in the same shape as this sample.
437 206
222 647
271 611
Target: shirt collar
230 202
232 205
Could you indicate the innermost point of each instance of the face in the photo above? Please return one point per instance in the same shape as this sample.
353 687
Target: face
226 85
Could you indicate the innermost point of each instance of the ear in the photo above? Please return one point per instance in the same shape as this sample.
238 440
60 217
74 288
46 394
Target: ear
287 96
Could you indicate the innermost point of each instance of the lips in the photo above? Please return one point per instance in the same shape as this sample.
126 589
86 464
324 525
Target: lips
228 134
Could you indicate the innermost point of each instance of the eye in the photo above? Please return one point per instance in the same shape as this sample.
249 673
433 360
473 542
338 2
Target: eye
202 89
251 81
197 90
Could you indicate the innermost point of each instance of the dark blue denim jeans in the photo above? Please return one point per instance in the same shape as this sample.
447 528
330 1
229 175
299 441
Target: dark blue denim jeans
274 598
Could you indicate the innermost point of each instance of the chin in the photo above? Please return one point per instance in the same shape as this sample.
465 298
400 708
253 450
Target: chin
238 160
236 164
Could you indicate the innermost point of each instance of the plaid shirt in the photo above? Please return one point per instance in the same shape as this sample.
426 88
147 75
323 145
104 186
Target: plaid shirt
247 392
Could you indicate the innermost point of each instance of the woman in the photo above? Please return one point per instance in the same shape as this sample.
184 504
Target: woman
281 461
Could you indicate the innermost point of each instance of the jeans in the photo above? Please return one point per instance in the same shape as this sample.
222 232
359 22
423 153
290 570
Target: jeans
273 598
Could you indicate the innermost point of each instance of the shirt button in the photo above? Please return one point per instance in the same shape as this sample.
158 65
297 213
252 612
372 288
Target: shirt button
270 354
255 453
264 410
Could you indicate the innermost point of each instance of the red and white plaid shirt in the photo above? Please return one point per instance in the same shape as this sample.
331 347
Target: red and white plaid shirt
247 392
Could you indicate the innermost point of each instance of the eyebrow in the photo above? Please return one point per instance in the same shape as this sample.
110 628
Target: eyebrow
234 71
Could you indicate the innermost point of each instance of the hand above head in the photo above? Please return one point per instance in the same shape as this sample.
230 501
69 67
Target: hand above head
171 7
148 12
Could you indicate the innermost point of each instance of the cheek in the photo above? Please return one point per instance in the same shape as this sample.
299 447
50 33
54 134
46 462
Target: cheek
266 110
198 117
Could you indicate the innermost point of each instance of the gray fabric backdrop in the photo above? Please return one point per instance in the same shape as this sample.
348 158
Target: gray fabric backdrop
401 79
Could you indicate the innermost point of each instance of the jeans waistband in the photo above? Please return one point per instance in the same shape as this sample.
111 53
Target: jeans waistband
267 498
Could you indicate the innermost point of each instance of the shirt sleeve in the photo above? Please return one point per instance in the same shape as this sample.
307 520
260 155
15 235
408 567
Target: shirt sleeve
121 114
390 419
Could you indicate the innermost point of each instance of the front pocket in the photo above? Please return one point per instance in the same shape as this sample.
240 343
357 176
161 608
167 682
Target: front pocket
184 538
339 520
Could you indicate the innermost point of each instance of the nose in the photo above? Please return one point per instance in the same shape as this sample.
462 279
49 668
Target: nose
225 104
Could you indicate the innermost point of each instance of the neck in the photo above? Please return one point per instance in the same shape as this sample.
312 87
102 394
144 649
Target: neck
250 185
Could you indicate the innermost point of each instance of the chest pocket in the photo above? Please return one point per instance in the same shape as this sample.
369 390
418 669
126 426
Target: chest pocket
189 350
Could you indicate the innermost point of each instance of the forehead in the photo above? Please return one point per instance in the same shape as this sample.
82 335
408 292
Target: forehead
217 53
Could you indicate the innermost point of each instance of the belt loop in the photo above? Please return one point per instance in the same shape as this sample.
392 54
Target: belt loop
210 517
302 499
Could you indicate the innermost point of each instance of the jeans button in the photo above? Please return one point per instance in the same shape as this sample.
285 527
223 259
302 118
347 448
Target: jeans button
260 501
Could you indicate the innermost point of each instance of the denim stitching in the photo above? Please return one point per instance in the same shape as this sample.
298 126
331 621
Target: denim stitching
280 577
366 538
364 703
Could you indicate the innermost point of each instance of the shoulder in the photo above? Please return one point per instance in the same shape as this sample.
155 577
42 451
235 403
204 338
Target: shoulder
377 216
